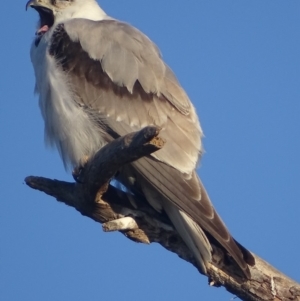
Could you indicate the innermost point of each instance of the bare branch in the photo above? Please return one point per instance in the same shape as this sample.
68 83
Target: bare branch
117 210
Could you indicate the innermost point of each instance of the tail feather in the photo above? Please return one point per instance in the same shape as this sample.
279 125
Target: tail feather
192 235
240 254
188 206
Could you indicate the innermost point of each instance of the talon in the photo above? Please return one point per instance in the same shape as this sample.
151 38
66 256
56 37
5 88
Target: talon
77 171
76 174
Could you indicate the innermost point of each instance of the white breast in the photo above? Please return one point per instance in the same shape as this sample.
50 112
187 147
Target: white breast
67 125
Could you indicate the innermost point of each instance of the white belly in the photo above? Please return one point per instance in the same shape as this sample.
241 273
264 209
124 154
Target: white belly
67 125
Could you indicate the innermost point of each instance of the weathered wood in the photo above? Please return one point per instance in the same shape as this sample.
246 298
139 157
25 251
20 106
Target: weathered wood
95 198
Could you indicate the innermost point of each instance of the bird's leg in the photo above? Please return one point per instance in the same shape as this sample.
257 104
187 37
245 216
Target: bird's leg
77 171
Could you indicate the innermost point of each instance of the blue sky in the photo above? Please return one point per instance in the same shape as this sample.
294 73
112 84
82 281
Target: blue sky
239 62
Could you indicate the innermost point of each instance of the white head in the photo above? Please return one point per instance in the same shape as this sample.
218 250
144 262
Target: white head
53 12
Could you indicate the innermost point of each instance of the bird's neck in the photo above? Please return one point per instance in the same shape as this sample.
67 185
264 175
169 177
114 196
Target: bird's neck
86 10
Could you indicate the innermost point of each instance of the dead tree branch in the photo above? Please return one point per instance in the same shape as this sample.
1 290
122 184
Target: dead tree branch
116 210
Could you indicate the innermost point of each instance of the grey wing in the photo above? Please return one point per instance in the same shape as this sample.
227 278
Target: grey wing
148 91
120 78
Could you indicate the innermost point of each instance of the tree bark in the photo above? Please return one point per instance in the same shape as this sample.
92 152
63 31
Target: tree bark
94 197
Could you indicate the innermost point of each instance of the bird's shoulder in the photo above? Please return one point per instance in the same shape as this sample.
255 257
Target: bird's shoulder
125 54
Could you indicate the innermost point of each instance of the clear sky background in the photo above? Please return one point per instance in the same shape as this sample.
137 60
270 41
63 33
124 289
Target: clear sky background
239 61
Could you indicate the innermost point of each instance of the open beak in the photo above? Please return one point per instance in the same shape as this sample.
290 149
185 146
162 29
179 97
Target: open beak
45 10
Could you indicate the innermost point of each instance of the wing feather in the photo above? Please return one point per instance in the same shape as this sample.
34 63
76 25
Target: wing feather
143 59
120 78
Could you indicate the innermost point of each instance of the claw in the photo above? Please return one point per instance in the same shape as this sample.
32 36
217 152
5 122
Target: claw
76 174
77 171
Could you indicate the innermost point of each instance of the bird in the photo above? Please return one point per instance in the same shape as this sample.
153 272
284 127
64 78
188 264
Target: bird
97 79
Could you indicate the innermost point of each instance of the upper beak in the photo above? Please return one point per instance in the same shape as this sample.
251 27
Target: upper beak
31 3
38 3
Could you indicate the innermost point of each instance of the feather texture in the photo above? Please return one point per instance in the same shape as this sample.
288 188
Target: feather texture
117 80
